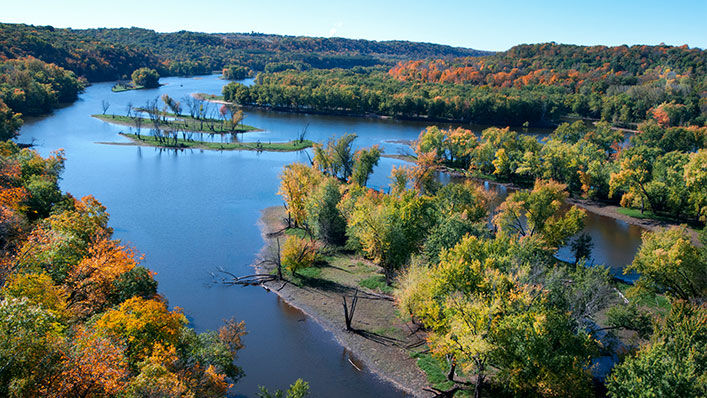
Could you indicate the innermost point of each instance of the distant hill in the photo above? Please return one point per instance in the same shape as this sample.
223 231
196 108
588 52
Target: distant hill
105 54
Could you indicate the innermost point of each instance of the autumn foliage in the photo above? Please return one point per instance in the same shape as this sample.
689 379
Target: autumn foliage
79 316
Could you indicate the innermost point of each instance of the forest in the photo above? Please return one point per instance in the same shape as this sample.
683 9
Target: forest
533 85
32 87
112 54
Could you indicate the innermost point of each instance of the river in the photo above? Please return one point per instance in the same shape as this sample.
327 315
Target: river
192 212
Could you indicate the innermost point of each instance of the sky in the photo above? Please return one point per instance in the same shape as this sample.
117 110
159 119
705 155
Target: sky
486 25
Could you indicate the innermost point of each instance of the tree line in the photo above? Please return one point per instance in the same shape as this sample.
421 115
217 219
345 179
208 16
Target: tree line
536 84
32 87
112 54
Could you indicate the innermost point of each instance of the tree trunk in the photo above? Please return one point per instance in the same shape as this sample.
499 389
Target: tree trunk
479 379
279 261
349 312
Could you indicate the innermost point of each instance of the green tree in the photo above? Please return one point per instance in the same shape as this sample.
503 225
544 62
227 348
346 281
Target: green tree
323 216
337 157
669 263
390 228
146 77
539 213
695 175
10 122
29 338
672 364
235 72
364 162
299 389
138 282
495 328
633 177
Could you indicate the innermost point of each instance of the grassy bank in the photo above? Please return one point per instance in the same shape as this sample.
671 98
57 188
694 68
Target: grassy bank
148 140
181 123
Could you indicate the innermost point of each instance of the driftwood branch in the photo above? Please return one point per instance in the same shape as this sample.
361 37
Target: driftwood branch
246 280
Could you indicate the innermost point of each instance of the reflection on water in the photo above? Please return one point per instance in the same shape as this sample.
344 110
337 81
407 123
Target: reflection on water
193 211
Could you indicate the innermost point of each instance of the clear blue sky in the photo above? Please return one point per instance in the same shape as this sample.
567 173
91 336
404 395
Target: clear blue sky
487 25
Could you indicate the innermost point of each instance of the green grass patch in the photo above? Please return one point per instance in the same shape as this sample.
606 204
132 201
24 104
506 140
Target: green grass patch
434 369
305 277
649 215
376 282
289 146
310 272
182 123
298 232
652 301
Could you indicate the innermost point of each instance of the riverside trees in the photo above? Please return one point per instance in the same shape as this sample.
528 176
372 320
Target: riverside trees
496 306
78 315
659 169
534 84
671 361
498 309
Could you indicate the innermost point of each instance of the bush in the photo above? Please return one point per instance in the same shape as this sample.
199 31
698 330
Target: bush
136 282
297 254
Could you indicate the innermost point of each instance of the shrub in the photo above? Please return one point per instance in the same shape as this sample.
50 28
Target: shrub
298 254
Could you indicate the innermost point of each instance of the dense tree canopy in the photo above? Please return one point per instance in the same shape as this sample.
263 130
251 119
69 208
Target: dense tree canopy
111 54
32 87
78 315
530 83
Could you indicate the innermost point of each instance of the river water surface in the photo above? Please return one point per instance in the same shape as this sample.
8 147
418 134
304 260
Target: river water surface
191 212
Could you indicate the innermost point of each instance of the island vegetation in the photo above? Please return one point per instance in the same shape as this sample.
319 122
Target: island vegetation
236 72
141 78
172 141
168 115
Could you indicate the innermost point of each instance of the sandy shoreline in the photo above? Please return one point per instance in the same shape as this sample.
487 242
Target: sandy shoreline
387 361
